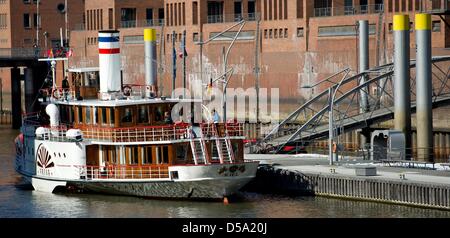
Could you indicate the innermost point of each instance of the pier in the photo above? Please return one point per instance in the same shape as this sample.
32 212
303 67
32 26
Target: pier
312 175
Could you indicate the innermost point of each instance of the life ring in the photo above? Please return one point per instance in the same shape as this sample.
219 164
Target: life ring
127 90
57 93
110 171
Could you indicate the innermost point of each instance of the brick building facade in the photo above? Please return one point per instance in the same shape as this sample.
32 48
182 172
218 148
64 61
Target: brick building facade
300 41
19 34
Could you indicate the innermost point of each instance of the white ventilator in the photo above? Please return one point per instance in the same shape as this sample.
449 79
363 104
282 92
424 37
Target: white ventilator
53 112
109 61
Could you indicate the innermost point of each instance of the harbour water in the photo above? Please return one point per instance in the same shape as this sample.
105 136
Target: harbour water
20 201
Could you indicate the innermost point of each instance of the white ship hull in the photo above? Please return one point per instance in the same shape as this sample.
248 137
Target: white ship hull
193 182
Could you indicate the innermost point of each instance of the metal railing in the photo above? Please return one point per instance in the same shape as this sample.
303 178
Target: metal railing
232 17
141 23
155 133
124 172
137 134
349 10
437 6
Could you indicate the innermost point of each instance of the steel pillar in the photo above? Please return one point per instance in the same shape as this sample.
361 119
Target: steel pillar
363 66
424 88
16 100
402 89
363 60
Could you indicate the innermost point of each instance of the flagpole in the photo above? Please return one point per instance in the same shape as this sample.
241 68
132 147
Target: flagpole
184 63
174 63
37 23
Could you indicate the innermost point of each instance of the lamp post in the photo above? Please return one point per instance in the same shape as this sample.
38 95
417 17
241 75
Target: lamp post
224 76
332 91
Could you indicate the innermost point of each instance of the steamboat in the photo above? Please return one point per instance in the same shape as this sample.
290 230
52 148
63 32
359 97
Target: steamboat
100 135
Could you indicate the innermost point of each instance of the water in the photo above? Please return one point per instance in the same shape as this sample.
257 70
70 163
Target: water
17 200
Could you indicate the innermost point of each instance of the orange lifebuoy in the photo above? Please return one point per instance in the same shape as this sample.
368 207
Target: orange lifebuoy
57 93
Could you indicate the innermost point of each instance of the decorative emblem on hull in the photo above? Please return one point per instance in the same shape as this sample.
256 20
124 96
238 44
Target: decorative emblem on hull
44 158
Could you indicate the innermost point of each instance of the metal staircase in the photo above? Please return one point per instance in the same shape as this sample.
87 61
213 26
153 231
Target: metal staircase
223 146
198 147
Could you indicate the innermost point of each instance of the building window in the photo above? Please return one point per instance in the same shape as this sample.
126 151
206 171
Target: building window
26 20
27 1
300 32
128 17
194 13
149 16
299 8
215 12
270 34
251 8
237 10
3 21
27 41
110 18
195 37
285 33
133 39
265 33
436 26
342 30
36 21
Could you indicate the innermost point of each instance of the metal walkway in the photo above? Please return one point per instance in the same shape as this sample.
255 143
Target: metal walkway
310 121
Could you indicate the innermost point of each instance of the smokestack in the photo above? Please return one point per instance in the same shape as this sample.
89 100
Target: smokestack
150 63
402 89
424 89
109 61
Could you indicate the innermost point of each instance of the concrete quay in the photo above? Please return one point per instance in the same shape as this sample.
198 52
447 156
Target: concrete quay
312 175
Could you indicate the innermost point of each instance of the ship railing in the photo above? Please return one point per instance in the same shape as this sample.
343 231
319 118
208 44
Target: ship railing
31 119
229 129
137 134
58 93
91 172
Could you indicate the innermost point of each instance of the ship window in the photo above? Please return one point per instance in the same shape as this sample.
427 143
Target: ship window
95 115
80 115
111 116
132 152
71 117
103 113
143 114
235 146
126 115
162 153
181 152
88 115
159 113
148 156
